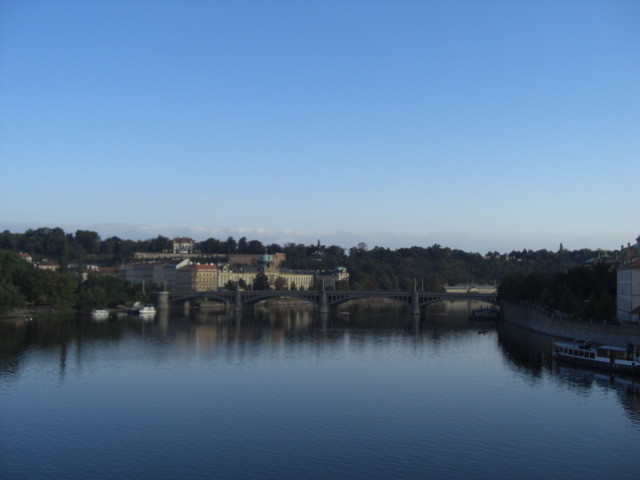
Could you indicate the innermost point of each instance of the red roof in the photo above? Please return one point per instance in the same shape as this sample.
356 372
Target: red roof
635 264
184 240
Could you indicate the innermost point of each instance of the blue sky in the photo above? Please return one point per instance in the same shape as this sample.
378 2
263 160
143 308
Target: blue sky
480 125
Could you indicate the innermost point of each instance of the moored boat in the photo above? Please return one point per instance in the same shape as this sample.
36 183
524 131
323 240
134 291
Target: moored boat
99 314
604 357
147 309
485 314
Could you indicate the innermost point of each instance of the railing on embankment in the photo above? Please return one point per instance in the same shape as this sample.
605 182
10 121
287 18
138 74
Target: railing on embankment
540 320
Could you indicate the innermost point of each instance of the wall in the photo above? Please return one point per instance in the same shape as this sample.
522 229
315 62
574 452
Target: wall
532 319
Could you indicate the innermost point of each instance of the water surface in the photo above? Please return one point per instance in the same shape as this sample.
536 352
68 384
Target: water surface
284 393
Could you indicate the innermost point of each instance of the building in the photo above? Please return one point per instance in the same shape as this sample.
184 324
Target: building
490 289
26 257
628 284
249 259
197 278
170 273
291 279
160 273
140 272
629 253
47 265
183 245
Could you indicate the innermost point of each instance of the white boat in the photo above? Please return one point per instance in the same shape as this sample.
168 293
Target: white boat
99 314
604 357
148 310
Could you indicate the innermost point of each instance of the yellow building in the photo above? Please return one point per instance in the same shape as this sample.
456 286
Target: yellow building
197 278
290 279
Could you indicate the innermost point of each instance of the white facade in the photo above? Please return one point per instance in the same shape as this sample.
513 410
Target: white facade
628 292
490 289
170 275
183 245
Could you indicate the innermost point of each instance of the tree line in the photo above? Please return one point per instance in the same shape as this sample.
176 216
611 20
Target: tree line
587 292
378 268
22 285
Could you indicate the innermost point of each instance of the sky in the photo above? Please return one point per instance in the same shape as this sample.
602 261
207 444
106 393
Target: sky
483 125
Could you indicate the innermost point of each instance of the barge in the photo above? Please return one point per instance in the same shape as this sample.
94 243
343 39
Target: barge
603 357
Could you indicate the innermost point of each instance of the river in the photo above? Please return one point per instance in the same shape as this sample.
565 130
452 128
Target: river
281 393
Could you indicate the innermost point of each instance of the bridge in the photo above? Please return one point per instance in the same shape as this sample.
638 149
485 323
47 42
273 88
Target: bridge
324 300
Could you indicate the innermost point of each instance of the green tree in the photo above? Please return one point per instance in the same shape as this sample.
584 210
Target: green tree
230 245
589 309
88 240
547 298
242 245
53 289
261 282
568 302
280 284
100 291
605 309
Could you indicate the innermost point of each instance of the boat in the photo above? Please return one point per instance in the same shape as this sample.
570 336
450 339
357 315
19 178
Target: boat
604 357
148 309
485 314
99 314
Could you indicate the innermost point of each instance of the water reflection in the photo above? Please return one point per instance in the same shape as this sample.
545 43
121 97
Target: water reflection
210 332
529 353
367 391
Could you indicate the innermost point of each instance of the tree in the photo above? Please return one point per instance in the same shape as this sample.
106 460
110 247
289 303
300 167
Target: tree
63 259
568 302
211 245
231 245
256 247
261 282
100 291
605 308
53 289
88 240
547 298
280 284
160 244
242 245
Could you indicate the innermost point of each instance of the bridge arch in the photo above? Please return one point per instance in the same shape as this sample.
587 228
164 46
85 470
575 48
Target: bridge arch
396 297
193 296
253 300
478 298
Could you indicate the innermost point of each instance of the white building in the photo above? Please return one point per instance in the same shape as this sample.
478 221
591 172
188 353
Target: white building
490 289
183 245
628 292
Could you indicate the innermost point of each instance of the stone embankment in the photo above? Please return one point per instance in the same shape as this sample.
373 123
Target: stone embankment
540 320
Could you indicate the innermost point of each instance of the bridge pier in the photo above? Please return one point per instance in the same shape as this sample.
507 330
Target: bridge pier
415 303
237 306
162 300
323 305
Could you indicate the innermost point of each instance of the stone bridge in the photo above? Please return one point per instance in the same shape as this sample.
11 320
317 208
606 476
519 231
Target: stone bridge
324 300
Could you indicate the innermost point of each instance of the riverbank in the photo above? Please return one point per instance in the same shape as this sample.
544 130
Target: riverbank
528 317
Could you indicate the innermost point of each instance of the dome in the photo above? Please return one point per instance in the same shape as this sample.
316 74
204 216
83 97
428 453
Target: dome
265 258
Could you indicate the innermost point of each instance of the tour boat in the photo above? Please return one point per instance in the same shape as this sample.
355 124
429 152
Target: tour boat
99 314
605 357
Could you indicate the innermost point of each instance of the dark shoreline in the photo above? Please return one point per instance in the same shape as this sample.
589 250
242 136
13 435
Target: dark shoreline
535 320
